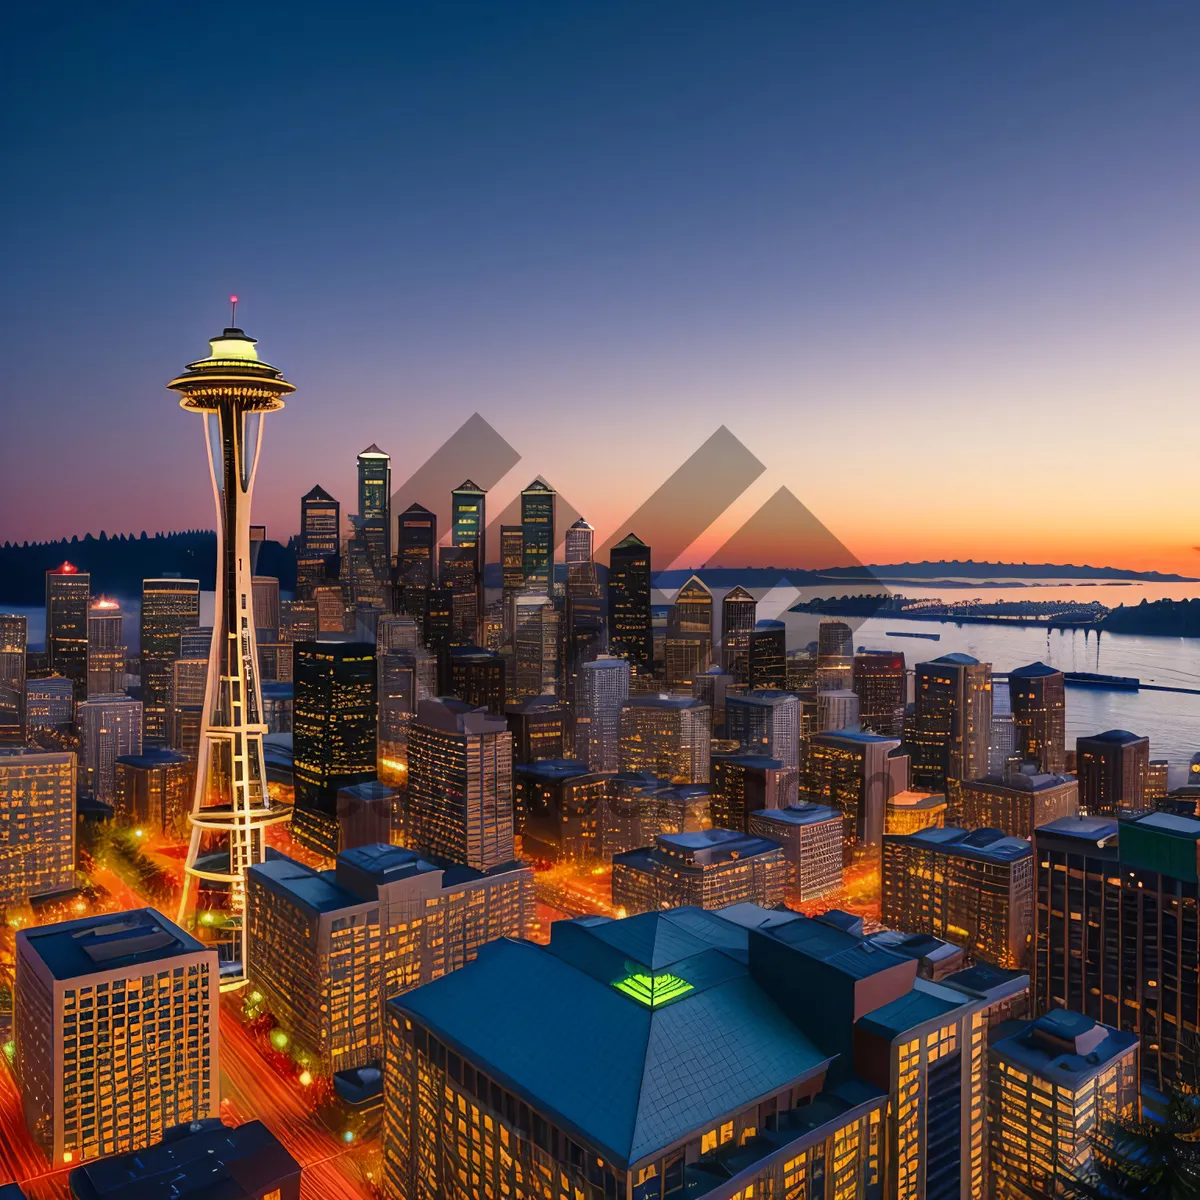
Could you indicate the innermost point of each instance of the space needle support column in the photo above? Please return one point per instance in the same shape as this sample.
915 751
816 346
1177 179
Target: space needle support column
233 390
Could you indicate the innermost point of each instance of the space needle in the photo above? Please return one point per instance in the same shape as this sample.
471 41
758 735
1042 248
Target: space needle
233 390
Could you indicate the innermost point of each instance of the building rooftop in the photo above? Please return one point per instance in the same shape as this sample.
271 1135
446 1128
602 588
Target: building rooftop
768 625
1023 781
987 844
741 758
915 1007
552 770
952 660
799 814
911 801
370 789
152 757
535 704
703 847
858 736
1036 670
1115 737
108 942
1090 829
763 697
311 890
679 1033
206 1160
1064 1047
318 493
663 700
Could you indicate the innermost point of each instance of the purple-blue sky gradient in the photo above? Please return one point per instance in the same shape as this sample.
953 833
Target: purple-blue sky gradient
937 265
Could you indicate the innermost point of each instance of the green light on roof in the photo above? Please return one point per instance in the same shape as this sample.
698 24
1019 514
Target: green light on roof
653 990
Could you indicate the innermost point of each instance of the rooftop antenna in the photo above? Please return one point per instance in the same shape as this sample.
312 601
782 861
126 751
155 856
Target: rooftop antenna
233 311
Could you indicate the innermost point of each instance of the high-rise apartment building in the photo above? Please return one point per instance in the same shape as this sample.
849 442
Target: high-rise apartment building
835 656
630 628
1016 803
154 791
952 720
537 536
974 889
767 655
710 869
856 773
1055 1083
334 725
37 823
374 506
169 607
881 684
739 614
460 802
666 735
14 642
1038 698
327 952
106 648
109 727
115 1033
811 837
68 597
602 692
1112 769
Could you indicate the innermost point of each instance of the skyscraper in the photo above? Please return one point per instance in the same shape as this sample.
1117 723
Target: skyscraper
537 535
477 677
169 606
68 596
630 630
952 721
581 560
766 722
1016 803
881 684
688 646
374 502
667 735
115 1033
234 391
460 804
416 557
535 646
334 726
14 640
1112 769
109 726
267 617
37 814
767 656
468 532
1037 694
106 648
320 539
857 774
811 837
512 573
603 690
154 790
539 728
745 783
837 708
835 655
738 617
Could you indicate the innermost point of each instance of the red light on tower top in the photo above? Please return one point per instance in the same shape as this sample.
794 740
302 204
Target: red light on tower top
233 311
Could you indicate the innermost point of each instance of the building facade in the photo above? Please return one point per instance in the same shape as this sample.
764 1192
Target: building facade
37 823
1038 698
68 597
630 630
1112 768
1016 803
169 606
952 721
666 735
811 837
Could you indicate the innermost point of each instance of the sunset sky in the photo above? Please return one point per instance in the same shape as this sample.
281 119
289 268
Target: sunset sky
937 266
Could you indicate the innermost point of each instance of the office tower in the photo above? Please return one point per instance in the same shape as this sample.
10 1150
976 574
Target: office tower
668 735
711 688
811 837
602 693
1055 1083
185 708
580 554
416 551
196 642
952 720
319 554
468 532
477 677
1037 695
460 784
974 889
535 646
881 684
399 692
835 656
539 728
766 722
767 655
334 725
234 391
109 726
205 1157
1002 745
777 1110
267 615
630 631
397 634
49 702
457 567
68 595
374 506
278 705
584 637
115 1030
856 773
1076 962
359 573
1157 772
327 949
640 805
710 869
744 783
512 573
691 615
14 642
331 608
909 811
154 791
1112 769
365 814
1016 803
170 607
837 710
560 809
537 536
685 660
37 820
106 648
739 612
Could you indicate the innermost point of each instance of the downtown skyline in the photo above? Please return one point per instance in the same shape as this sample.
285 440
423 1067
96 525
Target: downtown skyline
872 271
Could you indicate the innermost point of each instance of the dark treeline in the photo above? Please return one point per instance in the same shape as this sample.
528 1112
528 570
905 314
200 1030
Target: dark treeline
1163 618
118 564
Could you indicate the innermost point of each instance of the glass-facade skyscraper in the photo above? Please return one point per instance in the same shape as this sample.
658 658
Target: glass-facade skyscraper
630 627
169 606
